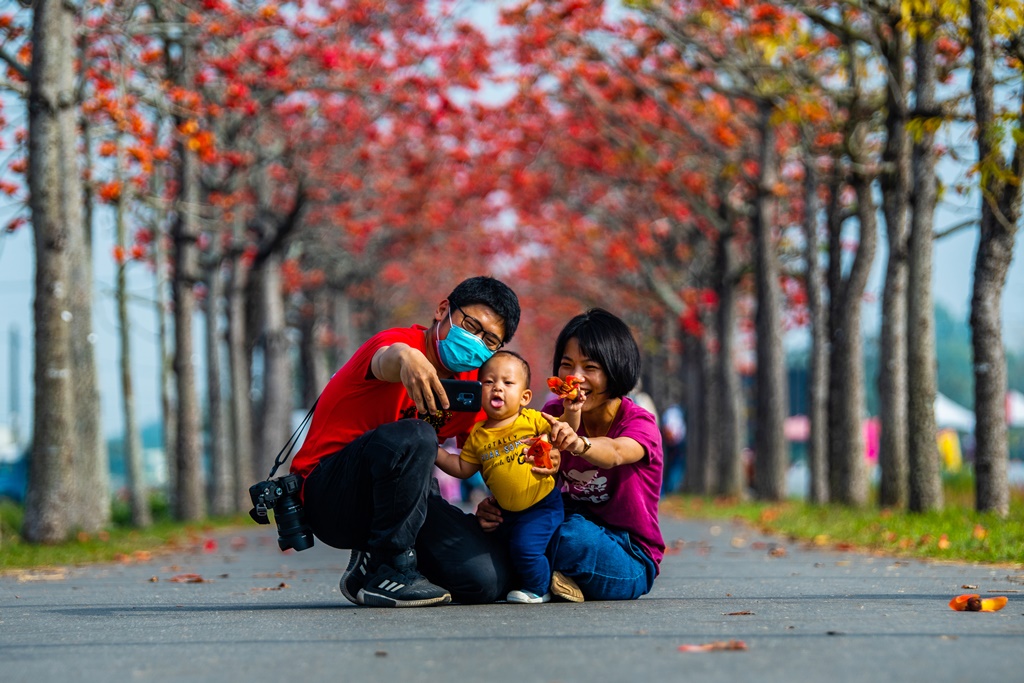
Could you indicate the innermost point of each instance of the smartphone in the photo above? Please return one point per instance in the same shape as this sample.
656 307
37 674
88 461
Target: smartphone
463 395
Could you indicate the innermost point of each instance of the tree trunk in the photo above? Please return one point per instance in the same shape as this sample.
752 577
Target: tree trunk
346 336
925 481
698 477
710 436
730 458
277 397
165 359
55 203
222 468
313 324
848 480
817 445
771 452
1000 212
190 504
134 466
241 400
892 373
275 424
90 497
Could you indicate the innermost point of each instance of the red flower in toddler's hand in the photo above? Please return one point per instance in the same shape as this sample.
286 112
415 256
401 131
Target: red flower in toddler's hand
540 451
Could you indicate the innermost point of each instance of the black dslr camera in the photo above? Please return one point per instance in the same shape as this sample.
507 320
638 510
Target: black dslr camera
283 496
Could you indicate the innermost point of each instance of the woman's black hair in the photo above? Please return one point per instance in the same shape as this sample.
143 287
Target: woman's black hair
603 337
489 292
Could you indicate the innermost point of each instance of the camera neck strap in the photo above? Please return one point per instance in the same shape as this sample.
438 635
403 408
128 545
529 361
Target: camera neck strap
289 446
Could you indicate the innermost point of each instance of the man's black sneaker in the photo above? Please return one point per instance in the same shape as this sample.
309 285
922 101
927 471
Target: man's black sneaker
354 577
396 583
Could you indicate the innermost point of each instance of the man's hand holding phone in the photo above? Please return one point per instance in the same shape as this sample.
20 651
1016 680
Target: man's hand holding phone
462 396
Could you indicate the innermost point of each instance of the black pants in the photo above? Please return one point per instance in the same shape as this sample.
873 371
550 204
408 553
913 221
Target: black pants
378 494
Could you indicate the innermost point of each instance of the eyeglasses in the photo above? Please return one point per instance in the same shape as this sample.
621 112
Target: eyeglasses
473 326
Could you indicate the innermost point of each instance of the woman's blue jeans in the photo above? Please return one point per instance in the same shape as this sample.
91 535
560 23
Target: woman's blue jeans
604 562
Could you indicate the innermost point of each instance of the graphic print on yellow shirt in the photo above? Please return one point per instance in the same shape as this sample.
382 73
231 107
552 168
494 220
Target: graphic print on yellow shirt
500 454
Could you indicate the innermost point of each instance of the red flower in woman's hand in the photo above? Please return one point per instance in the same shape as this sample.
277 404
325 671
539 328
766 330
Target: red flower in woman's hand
568 388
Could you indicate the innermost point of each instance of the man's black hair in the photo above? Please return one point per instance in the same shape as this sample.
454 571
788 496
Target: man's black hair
603 337
490 292
513 354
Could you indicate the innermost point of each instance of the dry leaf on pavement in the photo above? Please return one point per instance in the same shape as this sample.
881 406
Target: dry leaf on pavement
714 645
188 578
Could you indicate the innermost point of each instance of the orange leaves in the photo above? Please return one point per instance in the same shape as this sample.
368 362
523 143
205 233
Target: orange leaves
540 451
972 602
725 136
695 183
185 98
828 139
15 223
202 142
698 302
121 255
109 192
569 388
765 12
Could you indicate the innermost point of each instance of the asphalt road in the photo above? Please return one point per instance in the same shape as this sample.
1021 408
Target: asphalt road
804 614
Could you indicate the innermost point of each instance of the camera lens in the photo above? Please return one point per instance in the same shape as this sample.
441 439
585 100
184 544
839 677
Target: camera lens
292 531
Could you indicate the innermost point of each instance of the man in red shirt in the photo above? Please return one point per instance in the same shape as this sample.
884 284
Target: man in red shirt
367 468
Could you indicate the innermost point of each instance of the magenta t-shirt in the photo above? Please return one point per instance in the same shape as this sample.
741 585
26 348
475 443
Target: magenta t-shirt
625 497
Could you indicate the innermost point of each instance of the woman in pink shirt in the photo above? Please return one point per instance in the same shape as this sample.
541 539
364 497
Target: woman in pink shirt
610 546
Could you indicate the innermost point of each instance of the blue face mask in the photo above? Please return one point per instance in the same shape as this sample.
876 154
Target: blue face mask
461 351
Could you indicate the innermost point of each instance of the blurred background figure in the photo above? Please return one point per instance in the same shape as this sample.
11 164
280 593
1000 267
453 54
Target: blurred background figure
644 400
467 491
673 437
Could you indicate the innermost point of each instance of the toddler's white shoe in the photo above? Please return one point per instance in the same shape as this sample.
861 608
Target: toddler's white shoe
526 597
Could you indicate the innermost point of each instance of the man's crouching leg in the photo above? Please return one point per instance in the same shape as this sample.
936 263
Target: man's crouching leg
455 553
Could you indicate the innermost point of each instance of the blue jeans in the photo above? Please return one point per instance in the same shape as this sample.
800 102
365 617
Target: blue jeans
604 562
529 534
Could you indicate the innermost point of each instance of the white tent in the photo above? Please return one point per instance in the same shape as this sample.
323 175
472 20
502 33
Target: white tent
1015 408
951 414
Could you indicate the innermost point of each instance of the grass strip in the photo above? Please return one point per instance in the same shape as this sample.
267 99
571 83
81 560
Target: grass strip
119 543
956 533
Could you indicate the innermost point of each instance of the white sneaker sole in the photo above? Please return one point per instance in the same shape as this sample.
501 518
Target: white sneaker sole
524 598
374 600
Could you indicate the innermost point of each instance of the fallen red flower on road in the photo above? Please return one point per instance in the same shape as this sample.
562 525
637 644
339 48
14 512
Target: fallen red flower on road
972 602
